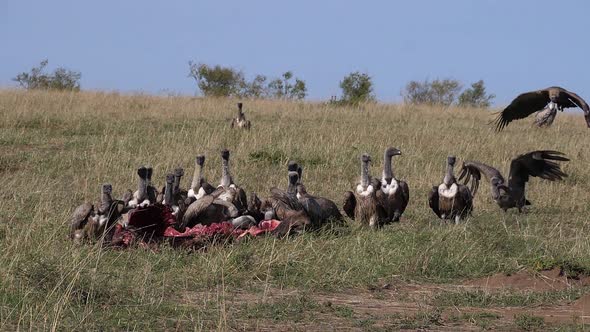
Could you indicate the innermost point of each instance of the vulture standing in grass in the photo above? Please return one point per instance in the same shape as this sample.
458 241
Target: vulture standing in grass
140 196
199 186
169 199
240 121
110 210
328 209
363 205
80 218
227 189
541 164
179 196
225 203
547 102
284 206
310 205
145 194
394 193
451 200
91 221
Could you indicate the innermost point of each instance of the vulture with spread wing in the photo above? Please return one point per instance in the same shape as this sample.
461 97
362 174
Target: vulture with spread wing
547 102
541 164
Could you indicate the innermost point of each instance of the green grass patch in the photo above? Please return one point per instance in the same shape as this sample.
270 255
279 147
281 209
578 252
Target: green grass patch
482 299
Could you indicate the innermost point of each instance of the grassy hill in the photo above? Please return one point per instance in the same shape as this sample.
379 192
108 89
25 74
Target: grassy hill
57 148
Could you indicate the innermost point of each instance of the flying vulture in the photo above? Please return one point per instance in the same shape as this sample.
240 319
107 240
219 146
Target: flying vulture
548 101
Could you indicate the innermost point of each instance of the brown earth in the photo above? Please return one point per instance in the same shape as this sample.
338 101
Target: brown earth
406 305
549 280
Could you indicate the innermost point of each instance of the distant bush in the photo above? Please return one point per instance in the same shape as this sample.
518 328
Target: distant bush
356 88
257 88
60 79
476 96
438 92
218 81
444 92
282 88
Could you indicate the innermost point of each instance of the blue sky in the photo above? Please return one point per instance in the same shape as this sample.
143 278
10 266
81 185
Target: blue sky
143 45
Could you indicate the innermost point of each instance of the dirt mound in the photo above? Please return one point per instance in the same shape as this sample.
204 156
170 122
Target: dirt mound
549 280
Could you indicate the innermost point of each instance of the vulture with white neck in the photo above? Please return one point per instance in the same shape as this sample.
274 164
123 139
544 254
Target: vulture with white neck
451 200
240 121
199 186
394 193
362 205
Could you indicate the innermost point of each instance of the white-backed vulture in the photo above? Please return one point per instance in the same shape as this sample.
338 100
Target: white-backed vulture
240 121
145 194
92 221
548 101
450 199
540 163
199 186
394 193
227 188
362 205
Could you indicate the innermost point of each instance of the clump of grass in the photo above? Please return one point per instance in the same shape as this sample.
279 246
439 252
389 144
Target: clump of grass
289 308
483 320
528 322
420 320
479 298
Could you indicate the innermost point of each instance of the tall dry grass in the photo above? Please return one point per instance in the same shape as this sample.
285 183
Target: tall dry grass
57 148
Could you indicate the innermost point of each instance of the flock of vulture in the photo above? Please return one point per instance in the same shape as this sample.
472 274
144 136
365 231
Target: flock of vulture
373 201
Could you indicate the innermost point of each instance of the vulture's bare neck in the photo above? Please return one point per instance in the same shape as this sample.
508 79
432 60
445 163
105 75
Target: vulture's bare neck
197 176
225 175
105 198
365 174
387 167
168 191
293 180
176 185
449 178
142 188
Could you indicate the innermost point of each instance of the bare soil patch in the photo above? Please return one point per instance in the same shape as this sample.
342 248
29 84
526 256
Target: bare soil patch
548 280
406 305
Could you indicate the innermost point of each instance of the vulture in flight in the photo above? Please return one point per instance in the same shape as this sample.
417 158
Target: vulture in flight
511 194
547 102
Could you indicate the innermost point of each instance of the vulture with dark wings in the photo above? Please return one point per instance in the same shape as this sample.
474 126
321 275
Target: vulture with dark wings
511 194
547 102
450 199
